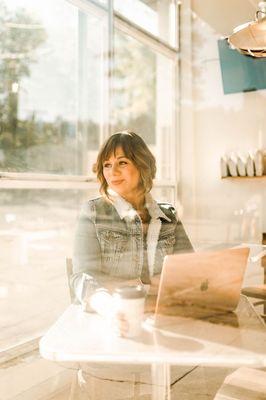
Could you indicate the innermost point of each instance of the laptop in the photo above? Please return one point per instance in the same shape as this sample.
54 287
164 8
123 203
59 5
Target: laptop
202 285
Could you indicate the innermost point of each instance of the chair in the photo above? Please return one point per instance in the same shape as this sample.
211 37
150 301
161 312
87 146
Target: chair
259 291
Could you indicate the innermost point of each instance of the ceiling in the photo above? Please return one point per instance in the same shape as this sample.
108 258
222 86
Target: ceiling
224 15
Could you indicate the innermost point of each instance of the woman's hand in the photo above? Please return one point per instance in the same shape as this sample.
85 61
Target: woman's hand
102 302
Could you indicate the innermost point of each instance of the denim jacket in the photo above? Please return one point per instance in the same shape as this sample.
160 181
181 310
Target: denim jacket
109 240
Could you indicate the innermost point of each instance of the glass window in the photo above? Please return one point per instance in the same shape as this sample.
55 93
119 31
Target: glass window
143 98
55 112
53 96
36 236
157 17
165 194
51 74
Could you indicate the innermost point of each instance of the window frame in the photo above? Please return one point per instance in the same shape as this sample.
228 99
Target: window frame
24 180
17 179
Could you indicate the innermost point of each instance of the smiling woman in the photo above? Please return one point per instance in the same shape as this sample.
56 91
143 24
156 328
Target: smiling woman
121 175
127 166
132 155
124 234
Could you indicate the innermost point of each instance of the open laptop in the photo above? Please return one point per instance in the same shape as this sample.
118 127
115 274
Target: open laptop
202 285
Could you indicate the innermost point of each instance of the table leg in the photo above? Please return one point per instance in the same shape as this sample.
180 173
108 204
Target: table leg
161 381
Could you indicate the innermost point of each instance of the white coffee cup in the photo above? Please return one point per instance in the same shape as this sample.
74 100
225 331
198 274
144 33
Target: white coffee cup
129 301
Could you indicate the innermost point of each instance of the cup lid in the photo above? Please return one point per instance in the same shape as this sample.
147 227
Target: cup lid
130 292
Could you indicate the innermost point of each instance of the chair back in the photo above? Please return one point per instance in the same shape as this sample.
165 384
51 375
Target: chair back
69 271
257 292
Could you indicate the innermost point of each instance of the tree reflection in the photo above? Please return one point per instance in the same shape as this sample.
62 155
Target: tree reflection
21 36
134 87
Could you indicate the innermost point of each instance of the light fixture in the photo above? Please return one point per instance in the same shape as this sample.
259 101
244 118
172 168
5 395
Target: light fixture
250 38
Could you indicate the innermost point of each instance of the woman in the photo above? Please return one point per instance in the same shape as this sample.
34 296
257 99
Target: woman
121 236
125 233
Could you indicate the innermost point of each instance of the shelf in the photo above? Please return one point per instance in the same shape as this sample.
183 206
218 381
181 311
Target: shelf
244 177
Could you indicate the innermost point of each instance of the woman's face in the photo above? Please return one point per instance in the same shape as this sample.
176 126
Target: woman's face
121 174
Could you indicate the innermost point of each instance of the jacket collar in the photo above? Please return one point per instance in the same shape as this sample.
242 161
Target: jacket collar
125 209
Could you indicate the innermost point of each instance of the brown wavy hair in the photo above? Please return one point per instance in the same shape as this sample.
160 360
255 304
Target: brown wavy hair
136 150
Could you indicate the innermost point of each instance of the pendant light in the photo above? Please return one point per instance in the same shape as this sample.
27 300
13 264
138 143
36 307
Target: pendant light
250 38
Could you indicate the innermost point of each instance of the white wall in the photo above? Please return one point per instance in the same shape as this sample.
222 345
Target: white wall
215 210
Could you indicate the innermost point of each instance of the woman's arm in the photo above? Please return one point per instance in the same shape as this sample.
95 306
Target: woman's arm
92 288
86 255
86 280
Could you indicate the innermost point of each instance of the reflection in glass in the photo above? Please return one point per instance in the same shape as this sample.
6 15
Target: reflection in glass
51 60
143 93
36 234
